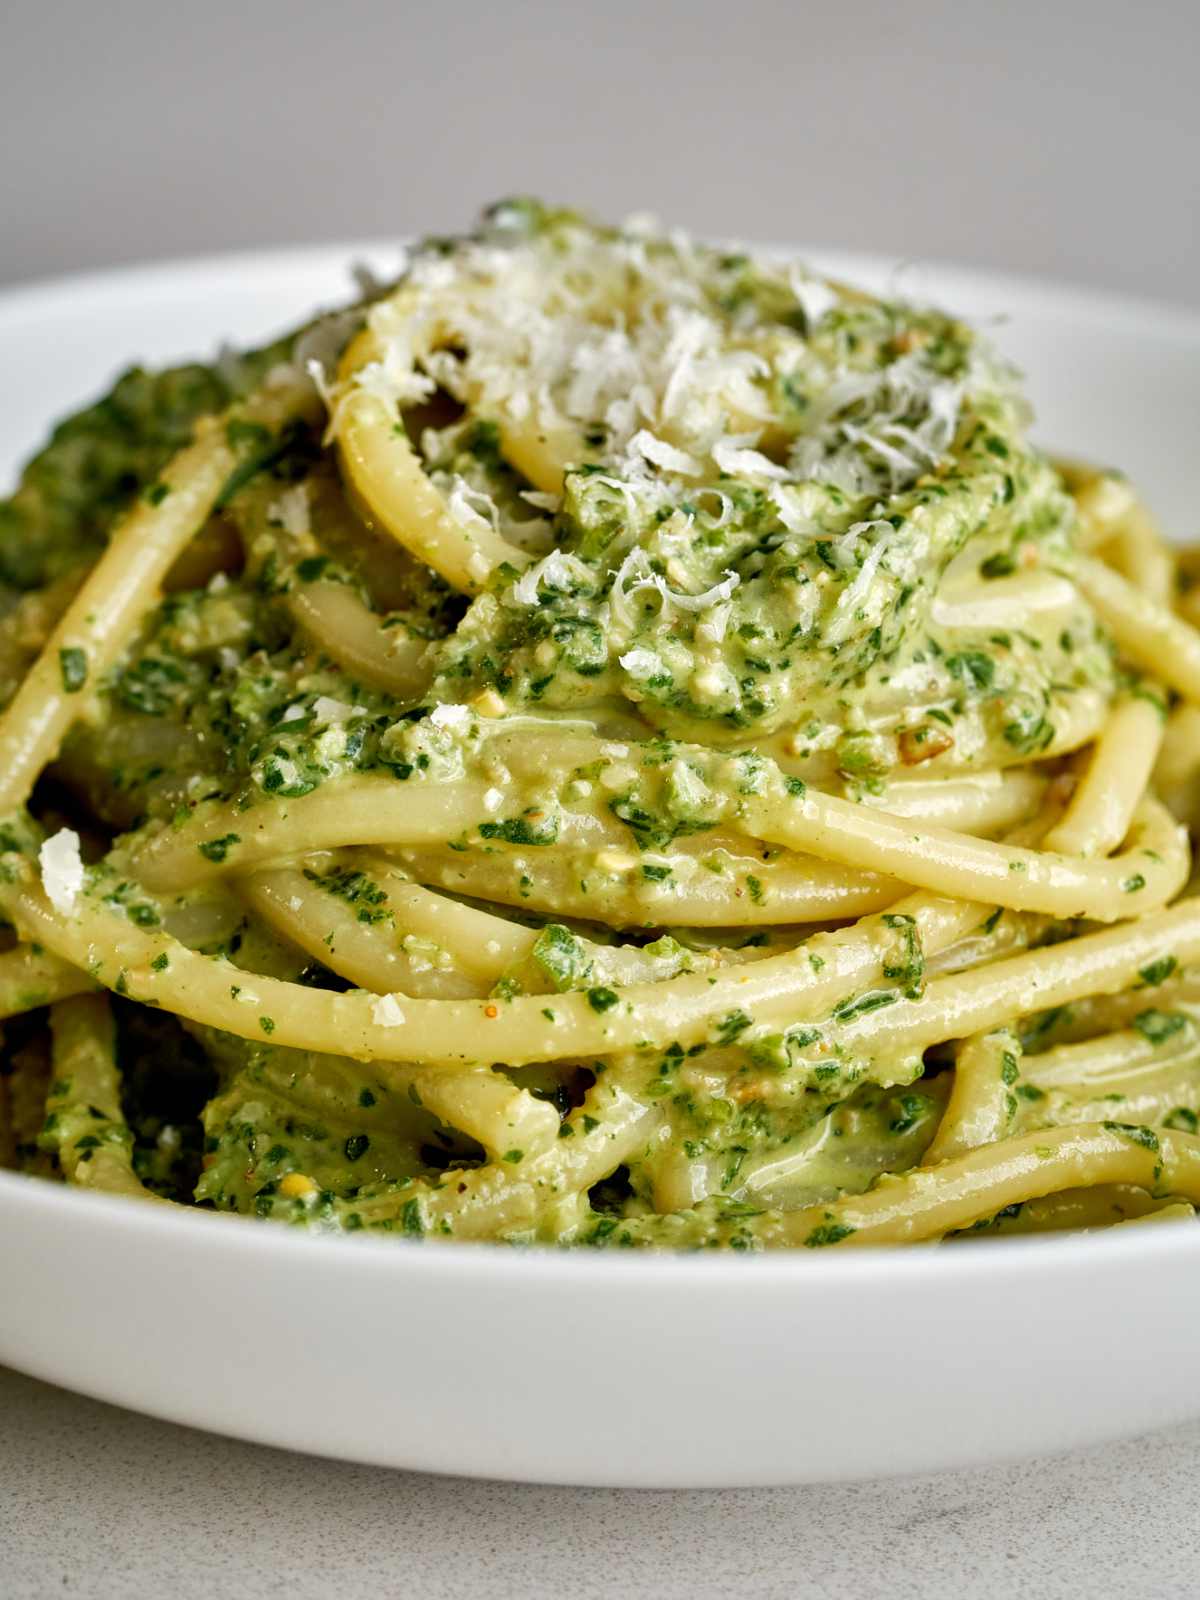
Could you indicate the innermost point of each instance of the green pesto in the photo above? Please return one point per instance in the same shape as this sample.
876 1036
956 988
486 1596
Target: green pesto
813 612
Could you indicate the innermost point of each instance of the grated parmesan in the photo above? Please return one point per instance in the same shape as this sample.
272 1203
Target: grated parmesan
557 570
326 710
62 870
386 1012
290 510
642 664
732 456
455 719
662 454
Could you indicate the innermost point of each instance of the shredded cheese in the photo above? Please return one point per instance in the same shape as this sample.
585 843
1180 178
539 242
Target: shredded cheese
386 1012
642 664
558 570
62 870
454 719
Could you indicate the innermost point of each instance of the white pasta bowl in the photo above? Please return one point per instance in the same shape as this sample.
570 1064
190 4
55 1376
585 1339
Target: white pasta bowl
598 1368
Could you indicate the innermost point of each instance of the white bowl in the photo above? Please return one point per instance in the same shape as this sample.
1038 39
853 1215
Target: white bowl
617 1369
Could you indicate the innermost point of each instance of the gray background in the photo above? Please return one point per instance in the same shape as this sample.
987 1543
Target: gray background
1058 138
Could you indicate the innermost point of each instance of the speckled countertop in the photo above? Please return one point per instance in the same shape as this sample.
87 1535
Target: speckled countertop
100 1503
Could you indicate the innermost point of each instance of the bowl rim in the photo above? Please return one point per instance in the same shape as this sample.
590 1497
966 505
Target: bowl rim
1029 1258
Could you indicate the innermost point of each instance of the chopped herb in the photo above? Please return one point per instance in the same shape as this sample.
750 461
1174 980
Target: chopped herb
997 566
1136 1133
1159 1026
1029 731
536 830
73 668
1157 972
731 1026
972 668
859 1005
910 1109
562 957
216 850
828 1233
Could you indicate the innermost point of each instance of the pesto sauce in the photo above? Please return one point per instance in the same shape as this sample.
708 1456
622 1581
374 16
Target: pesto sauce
804 616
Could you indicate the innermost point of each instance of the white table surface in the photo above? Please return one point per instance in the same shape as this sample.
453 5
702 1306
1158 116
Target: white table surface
100 1503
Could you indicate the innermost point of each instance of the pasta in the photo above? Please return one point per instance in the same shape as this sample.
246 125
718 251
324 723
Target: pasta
606 741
